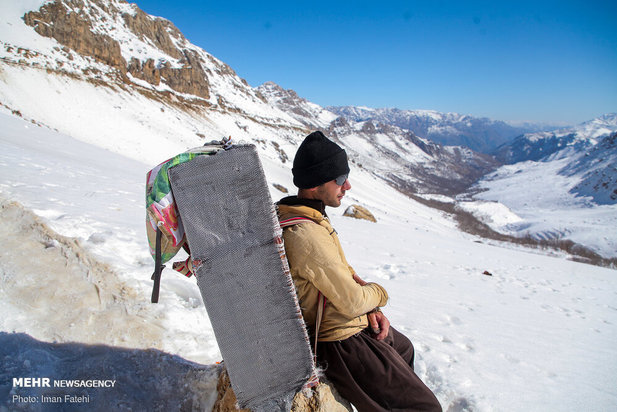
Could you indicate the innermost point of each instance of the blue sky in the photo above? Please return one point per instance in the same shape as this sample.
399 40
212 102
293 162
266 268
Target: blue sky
543 61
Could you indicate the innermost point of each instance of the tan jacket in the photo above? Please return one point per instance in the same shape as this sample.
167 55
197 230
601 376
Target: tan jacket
317 263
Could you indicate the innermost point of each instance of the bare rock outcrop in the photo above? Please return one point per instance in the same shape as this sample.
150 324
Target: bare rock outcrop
145 71
359 212
70 23
157 30
190 78
74 30
322 398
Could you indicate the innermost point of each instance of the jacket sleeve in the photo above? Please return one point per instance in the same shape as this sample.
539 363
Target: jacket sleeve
316 258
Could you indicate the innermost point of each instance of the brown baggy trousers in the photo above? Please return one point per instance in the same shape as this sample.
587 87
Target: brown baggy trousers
374 375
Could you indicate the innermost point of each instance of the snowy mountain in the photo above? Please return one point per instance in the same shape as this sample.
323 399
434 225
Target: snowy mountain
589 148
126 75
598 170
451 129
307 113
540 145
560 185
410 163
406 161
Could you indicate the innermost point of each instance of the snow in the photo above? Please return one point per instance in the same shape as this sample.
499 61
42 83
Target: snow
542 326
540 197
299 108
493 213
587 132
103 118
12 30
437 197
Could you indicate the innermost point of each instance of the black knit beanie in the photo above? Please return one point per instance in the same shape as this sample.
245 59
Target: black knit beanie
318 160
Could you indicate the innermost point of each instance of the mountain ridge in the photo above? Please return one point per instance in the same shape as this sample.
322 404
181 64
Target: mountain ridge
589 148
449 129
410 163
539 145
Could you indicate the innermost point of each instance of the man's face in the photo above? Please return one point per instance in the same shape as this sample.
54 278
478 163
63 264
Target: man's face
331 194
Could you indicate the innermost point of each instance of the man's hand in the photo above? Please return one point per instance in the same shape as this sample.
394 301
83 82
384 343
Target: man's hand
358 280
372 321
378 321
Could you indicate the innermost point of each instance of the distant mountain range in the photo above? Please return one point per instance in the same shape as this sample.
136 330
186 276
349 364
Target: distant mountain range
539 145
406 161
449 129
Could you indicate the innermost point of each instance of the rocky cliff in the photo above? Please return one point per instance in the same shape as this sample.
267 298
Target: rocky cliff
73 29
74 25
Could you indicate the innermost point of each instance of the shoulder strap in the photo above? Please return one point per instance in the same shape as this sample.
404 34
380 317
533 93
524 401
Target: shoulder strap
294 221
321 306
321 303
158 268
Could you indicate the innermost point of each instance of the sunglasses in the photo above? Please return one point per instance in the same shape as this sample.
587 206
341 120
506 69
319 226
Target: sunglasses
341 179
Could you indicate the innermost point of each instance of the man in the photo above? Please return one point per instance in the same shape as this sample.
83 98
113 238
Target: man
371 366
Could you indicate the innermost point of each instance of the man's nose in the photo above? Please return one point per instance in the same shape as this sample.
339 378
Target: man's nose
346 185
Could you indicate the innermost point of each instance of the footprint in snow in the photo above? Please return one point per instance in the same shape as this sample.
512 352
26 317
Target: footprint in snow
390 272
510 358
467 307
454 320
461 405
444 339
98 238
467 347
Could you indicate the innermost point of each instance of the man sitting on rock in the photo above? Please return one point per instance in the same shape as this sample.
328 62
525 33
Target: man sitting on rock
371 366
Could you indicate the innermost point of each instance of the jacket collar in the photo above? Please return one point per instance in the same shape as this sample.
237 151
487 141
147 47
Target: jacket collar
318 205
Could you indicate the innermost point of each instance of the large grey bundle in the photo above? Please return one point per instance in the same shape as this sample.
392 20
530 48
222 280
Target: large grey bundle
243 277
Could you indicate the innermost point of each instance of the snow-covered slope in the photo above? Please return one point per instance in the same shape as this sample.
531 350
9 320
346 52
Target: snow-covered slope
307 113
450 129
104 99
114 41
544 204
561 185
589 149
155 89
540 145
539 325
